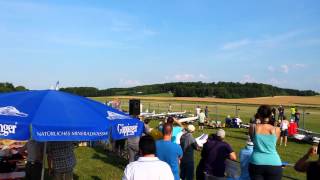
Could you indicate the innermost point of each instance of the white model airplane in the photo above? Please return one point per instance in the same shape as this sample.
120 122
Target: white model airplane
188 119
152 115
307 136
176 113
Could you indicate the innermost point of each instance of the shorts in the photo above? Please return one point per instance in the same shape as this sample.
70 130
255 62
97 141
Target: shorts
284 133
201 124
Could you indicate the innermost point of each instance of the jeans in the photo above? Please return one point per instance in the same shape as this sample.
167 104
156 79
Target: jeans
265 172
187 171
33 171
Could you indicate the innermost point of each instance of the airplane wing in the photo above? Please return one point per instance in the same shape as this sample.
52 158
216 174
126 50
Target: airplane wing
187 120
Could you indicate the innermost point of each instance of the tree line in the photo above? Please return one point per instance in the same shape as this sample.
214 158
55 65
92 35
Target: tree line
9 87
195 89
183 89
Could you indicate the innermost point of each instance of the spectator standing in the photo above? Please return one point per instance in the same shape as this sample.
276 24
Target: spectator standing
273 115
214 153
228 121
188 145
265 162
206 112
312 168
245 155
168 151
297 117
202 118
284 127
61 160
148 166
281 112
198 109
293 112
133 148
34 159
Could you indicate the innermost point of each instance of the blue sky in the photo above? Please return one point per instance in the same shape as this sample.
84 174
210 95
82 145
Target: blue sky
126 43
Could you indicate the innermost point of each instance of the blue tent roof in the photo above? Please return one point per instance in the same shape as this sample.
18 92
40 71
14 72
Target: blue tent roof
49 115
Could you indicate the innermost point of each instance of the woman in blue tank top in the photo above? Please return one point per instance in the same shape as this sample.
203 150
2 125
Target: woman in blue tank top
265 162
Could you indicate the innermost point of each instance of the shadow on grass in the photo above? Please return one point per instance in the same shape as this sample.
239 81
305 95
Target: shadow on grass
96 178
109 158
48 177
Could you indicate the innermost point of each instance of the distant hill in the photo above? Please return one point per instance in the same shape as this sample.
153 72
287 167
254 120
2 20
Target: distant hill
194 89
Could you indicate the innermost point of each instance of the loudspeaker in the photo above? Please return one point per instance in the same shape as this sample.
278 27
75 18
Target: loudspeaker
134 107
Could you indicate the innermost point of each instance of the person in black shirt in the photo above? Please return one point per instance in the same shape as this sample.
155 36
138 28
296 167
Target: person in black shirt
312 168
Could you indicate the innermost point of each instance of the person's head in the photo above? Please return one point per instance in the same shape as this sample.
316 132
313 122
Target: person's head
264 113
221 134
147 145
284 117
191 128
167 129
201 110
170 120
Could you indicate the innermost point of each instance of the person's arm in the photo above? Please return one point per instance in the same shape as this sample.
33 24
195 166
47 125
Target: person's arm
277 132
302 164
233 156
179 123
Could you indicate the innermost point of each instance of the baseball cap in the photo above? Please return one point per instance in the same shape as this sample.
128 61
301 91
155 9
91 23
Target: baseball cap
221 133
191 128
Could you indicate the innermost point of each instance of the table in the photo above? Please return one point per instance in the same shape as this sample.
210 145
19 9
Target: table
12 175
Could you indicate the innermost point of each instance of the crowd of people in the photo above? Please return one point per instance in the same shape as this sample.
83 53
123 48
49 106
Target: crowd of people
259 158
168 154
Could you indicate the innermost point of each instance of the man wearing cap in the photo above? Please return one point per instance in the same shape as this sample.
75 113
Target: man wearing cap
213 156
312 168
244 156
188 145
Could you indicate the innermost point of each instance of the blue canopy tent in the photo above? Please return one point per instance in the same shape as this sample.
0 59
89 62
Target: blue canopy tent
50 115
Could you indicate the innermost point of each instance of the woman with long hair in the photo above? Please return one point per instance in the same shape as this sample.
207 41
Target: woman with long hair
265 162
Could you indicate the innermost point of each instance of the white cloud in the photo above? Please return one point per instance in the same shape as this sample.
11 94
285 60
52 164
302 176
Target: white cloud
284 68
269 41
247 78
299 66
202 76
129 83
184 77
277 82
235 44
271 68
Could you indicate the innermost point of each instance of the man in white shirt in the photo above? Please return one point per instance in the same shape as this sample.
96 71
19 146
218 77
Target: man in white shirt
148 166
202 119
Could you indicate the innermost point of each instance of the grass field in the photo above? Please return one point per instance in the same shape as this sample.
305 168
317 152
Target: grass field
313 101
96 164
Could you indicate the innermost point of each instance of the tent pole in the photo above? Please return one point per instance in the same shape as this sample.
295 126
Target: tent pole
44 160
